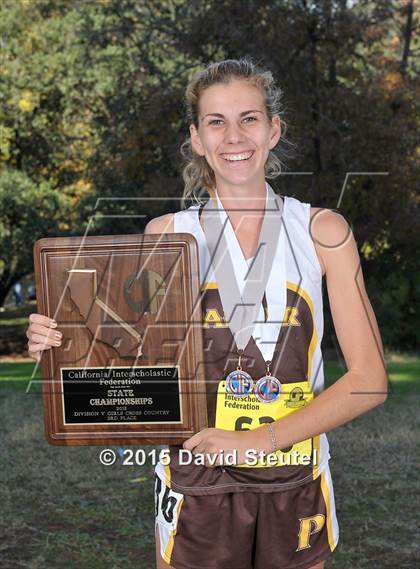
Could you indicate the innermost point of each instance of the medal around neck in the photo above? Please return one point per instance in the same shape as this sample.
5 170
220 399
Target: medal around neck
239 383
241 310
267 389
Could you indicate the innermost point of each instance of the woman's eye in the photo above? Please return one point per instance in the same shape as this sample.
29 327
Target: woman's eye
216 121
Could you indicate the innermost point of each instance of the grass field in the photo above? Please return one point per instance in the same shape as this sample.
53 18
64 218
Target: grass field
13 322
62 509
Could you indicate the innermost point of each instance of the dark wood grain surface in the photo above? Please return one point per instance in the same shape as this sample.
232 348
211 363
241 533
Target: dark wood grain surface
122 302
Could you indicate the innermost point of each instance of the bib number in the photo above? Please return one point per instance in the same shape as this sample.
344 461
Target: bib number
243 414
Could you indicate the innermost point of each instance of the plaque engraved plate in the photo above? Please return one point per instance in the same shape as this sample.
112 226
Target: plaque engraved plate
121 394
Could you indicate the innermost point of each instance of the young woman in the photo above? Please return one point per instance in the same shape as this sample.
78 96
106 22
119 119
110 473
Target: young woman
253 513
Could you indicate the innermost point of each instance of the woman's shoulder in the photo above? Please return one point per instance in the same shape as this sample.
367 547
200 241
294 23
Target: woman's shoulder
166 223
162 224
329 230
328 226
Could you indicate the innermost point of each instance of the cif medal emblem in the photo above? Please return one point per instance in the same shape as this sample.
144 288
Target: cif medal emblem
239 383
268 387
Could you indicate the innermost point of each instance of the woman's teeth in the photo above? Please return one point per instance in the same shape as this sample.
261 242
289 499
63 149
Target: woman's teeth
237 157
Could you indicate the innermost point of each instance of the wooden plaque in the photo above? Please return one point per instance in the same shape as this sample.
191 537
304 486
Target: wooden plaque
130 366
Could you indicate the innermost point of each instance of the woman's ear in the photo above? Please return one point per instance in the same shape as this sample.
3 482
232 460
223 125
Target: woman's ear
275 133
195 140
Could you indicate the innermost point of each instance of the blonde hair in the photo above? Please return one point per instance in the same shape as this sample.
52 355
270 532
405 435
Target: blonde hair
197 174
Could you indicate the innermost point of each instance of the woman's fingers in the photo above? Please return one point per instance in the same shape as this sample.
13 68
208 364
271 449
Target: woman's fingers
35 350
43 331
42 335
43 320
41 339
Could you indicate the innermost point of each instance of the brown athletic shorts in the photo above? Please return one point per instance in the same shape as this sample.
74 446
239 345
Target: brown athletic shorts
248 530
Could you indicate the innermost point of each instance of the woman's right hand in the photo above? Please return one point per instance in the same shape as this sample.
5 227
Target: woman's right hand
42 334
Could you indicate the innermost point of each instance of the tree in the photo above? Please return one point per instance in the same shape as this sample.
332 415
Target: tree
28 211
92 106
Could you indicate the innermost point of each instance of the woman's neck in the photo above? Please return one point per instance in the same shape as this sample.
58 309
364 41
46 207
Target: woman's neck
243 203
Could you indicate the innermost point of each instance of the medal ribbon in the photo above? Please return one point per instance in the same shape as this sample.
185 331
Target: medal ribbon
242 310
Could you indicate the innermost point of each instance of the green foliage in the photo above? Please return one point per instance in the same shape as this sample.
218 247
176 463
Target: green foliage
92 105
28 211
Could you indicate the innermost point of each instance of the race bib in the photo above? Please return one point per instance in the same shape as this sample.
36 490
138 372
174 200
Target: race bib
239 414
167 504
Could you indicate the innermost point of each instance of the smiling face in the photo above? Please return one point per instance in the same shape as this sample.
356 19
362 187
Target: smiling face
234 133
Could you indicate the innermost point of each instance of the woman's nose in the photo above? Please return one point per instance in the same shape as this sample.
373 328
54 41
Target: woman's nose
233 133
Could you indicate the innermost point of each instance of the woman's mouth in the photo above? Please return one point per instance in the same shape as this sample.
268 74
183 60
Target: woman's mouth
239 157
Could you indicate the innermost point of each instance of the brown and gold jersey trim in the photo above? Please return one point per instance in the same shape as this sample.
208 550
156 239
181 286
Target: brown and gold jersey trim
288 316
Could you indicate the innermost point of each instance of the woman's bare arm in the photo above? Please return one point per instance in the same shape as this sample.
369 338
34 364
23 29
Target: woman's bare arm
365 384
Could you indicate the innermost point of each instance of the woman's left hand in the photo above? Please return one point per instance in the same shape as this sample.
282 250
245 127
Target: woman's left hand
215 444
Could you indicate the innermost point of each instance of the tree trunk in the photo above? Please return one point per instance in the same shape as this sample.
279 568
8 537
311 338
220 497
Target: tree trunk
407 37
